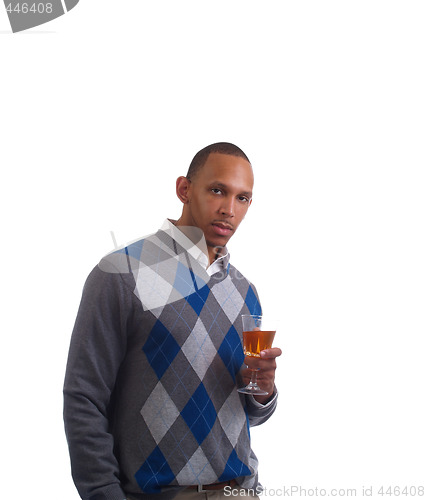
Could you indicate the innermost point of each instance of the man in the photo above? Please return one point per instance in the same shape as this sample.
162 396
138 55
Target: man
151 406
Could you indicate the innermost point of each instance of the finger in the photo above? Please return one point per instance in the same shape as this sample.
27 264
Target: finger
265 381
252 362
274 352
264 377
260 363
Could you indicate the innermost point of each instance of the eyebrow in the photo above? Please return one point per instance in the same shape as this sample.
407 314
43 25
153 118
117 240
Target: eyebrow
249 194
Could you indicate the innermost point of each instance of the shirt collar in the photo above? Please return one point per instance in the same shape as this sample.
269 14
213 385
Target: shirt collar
194 243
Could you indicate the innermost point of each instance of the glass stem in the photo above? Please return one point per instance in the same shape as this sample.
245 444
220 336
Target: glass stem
253 380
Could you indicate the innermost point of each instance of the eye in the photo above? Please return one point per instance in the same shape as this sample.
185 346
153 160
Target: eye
216 190
244 199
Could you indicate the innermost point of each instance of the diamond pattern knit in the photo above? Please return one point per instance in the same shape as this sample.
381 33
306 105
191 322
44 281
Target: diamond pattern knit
170 380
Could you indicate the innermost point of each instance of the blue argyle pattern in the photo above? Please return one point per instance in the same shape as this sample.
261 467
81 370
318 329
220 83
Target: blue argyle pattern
192 426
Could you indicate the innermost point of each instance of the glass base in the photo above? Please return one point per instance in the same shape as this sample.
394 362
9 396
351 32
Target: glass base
252 389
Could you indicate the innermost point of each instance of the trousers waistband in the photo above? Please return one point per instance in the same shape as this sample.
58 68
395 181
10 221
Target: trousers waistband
214 486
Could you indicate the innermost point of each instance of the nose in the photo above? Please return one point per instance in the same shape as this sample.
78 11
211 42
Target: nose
228 208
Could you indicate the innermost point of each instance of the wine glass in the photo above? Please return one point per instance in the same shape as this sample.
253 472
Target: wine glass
255 340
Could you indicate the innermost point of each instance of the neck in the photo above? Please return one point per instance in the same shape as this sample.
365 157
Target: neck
213 251
213 254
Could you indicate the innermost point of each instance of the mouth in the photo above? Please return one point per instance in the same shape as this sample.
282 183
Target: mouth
222 228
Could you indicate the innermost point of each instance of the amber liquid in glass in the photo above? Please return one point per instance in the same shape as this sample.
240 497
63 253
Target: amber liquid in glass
255 341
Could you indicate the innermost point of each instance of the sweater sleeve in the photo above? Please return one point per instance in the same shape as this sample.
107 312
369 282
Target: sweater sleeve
259 413
98 346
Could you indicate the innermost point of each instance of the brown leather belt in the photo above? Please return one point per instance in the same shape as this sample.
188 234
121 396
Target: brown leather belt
214 486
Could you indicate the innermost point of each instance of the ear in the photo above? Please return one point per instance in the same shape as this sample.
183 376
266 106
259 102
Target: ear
183 186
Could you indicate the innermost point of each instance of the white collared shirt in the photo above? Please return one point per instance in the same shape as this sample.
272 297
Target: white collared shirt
193 249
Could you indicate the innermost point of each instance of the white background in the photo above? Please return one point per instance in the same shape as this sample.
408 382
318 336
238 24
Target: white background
103 108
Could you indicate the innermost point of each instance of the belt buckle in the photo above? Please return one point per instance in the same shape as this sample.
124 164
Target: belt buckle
200 488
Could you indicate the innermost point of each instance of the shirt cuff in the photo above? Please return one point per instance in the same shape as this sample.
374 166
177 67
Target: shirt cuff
269 403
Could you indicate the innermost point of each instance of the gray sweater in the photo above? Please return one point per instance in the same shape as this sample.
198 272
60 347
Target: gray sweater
150 394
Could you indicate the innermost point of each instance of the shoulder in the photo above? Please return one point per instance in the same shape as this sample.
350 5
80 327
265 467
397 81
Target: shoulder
123 264
116 269
124 259
146 251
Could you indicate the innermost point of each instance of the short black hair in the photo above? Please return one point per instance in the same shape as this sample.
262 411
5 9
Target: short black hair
225 148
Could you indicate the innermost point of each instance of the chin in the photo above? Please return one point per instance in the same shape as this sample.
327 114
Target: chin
217 242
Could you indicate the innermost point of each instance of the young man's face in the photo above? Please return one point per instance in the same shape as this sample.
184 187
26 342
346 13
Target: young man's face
218 198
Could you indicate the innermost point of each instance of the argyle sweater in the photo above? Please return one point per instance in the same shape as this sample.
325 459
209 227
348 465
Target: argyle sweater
150 394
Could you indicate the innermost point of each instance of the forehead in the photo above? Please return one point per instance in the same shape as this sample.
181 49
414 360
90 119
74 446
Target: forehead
227 169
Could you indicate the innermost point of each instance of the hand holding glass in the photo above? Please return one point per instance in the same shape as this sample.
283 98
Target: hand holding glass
255 340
